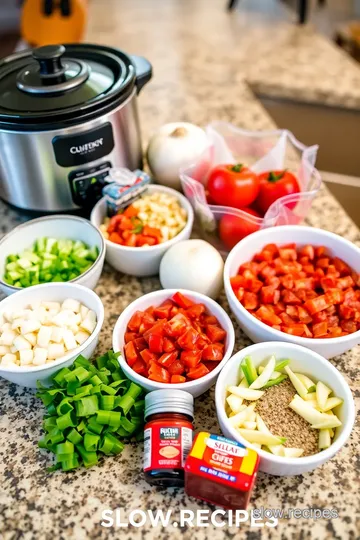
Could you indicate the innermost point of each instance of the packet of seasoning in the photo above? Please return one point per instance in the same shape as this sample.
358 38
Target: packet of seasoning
123 187
221 471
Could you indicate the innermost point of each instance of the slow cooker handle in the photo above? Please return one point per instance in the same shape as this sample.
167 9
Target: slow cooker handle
143 70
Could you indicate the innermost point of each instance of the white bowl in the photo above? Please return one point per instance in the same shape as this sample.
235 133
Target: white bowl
252 244
144 261
196 387
26 375
304 361
57 226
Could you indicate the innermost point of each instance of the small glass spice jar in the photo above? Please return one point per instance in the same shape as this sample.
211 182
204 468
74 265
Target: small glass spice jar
168 435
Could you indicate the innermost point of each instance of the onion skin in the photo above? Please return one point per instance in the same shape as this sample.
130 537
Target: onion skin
172 147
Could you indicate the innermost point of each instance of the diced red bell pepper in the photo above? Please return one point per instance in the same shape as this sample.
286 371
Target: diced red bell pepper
195 311
198 372
175 379
163 312
159 374
148 356
139 367
168 345
191 358
176 326
188 339
214 351
182 301
135 321
167 359
130 336
131 353
215 333
176 368
140 344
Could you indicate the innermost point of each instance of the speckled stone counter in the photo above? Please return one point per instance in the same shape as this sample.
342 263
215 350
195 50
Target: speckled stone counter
200 56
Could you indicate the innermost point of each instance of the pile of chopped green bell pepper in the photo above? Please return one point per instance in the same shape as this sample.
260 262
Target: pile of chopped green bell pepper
49 260
90 407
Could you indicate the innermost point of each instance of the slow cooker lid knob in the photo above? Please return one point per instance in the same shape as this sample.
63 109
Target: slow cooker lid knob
52 74
49 58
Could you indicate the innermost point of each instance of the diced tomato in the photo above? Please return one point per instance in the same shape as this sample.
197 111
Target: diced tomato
317 304
135 321
240 293
215 333
159 374
320 329
195 311
254 285
168 345
320 251
116 238
215 351
175 379
237 281
150 310
191 358
130 336
344 282
288 254
307 251
250 300
303 315
182 301
267 316
198 372
156 343
341 266
188 339
202 341
348 326
176 368
148 356
167 359
139 367
131 353
152 231
323 262
142 240
289 297
269 295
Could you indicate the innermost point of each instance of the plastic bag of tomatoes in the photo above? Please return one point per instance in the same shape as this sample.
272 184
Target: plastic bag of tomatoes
248 180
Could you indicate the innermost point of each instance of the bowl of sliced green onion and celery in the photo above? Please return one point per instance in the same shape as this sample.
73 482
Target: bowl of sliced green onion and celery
51 249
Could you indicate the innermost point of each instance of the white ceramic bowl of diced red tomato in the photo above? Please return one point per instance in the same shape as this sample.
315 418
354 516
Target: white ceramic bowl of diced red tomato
142 261
186 339
318 303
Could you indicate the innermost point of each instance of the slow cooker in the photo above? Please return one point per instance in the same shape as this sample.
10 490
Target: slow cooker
68 114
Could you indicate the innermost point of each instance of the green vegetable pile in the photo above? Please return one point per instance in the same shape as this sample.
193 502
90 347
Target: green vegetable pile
49 260
90 408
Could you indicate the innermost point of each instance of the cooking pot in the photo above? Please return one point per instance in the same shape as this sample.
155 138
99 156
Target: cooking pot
68 114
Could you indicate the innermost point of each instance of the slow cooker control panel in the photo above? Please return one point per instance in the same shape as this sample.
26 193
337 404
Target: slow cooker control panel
86 184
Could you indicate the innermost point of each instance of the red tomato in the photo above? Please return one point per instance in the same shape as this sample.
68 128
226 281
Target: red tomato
233 185
276 184
232 229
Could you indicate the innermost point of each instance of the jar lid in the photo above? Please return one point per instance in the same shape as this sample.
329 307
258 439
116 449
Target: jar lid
172 401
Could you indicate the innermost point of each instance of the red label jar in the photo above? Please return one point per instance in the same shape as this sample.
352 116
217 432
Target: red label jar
168 436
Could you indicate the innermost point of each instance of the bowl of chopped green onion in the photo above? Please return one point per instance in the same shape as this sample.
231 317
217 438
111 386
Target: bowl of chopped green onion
51 249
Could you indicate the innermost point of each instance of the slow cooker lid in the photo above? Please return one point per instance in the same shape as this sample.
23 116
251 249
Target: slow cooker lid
56 82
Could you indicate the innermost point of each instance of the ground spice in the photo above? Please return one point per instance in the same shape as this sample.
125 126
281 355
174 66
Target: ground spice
282 421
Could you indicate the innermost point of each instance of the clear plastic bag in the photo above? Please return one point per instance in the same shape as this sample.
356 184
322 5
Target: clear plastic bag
261 151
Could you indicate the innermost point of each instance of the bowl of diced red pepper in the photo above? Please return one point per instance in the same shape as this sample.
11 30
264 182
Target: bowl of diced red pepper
298 284
174 339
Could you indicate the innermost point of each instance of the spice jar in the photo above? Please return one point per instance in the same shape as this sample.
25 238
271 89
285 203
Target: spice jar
168 436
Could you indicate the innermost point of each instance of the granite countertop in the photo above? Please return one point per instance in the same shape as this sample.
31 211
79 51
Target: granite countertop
196 78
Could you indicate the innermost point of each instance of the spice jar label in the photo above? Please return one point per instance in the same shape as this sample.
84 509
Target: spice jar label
166 446
223 460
